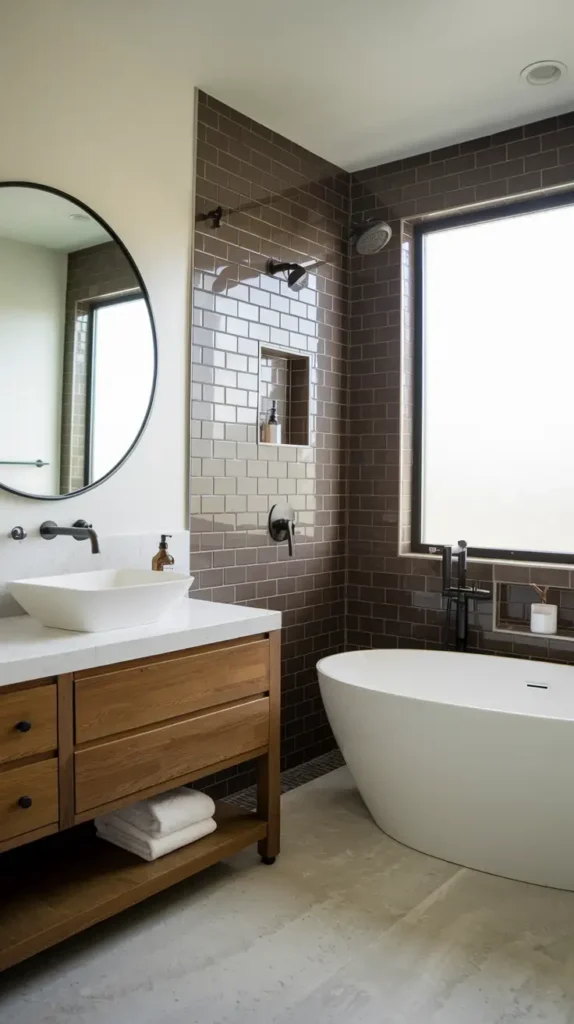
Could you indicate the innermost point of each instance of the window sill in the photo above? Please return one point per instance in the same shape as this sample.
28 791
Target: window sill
493 561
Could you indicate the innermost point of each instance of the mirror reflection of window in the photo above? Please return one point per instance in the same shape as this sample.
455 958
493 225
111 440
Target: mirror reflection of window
122 379
77 348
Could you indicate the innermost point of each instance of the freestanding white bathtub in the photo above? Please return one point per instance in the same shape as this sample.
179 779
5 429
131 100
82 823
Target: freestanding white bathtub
462 756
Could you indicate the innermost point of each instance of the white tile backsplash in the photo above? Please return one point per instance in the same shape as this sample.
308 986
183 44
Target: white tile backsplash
38 557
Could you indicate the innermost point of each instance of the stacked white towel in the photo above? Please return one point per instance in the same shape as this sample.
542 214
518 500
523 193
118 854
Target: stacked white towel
151 828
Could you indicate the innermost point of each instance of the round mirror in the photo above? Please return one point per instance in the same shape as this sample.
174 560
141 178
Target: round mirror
78 353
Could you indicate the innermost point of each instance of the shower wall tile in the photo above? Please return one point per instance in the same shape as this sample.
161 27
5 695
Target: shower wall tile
350 486
280 202
395 601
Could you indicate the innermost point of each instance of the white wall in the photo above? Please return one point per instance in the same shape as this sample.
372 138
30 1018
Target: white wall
93 102
32 302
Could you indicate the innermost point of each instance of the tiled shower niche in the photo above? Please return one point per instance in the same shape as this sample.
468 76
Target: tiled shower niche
284 377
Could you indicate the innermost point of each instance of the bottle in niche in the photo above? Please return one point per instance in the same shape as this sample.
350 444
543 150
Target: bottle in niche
163 561
272 432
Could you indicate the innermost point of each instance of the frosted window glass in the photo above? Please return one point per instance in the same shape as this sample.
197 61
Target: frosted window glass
498 383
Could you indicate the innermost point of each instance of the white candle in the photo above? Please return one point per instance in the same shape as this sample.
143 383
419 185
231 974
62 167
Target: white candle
543 618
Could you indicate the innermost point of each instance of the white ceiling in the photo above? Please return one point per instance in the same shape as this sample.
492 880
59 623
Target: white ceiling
366 81
42 218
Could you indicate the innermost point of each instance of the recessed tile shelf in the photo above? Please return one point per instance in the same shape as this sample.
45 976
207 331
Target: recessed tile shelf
511 610
284 376
278 444
568 637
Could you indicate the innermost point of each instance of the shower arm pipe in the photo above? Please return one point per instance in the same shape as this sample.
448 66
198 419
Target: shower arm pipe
220 213
252 205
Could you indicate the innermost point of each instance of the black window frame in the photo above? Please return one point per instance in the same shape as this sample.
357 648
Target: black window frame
510 209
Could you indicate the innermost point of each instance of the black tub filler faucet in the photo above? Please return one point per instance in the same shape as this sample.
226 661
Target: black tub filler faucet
458 593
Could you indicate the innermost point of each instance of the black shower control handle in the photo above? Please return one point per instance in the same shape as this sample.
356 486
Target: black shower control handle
285 525
282 525
290 533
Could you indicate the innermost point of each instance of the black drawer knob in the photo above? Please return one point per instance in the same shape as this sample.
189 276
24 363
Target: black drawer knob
23 726
25 802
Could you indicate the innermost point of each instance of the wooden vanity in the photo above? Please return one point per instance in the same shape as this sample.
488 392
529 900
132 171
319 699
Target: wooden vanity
79 744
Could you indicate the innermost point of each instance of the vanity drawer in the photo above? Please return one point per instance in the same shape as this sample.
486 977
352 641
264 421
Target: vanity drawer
39 783
137 694
28 722
109 771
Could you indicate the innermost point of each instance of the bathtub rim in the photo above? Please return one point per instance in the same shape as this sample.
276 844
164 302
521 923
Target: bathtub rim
427 699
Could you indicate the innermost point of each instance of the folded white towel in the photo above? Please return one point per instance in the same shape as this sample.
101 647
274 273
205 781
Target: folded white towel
168 812
147 847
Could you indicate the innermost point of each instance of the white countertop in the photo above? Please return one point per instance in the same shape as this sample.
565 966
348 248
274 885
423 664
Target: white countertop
31 651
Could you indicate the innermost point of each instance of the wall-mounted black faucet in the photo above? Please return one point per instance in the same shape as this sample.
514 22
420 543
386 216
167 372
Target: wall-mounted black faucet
459 593
81 530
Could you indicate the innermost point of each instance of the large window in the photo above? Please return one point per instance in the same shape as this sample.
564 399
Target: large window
494 382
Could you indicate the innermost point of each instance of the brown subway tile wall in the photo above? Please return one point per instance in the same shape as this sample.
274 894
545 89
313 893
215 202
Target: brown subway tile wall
395 601
284 203
350 485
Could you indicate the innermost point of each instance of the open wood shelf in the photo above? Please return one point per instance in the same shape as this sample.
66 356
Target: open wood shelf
58 886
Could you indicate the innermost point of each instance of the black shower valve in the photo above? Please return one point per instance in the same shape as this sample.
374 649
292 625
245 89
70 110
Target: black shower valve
282 525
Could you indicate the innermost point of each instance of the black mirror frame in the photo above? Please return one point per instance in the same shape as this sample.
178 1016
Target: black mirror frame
87 209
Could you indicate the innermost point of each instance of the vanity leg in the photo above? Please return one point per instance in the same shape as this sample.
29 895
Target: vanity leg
268 767
66 749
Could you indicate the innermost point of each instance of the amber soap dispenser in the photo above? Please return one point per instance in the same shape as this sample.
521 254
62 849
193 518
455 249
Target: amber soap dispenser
163 560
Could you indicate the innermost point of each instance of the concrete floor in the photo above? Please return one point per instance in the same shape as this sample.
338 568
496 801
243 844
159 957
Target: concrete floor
347 926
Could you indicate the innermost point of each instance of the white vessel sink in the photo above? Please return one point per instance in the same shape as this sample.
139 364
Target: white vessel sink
91 602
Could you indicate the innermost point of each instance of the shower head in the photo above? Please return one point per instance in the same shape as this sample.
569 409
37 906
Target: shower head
297 276
371 237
